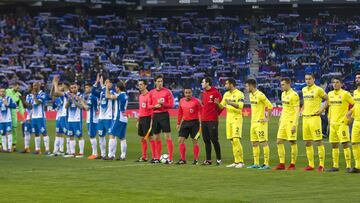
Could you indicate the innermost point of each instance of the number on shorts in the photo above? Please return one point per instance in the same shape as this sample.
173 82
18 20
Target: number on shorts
343 133
317 132
261 133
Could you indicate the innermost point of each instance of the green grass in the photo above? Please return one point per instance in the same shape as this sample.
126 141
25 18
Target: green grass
33 178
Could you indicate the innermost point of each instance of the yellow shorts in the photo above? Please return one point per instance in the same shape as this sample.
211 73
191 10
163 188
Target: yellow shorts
284 131
355 133
312 128
234 128
339 133
259 132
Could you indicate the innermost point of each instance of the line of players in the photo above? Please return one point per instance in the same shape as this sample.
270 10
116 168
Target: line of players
193 115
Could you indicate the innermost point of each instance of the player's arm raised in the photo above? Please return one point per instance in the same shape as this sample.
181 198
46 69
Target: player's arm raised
40 98
78 101
108 95
68 101
9 103
55 88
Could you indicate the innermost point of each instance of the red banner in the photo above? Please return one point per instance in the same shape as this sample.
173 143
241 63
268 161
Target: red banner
133 113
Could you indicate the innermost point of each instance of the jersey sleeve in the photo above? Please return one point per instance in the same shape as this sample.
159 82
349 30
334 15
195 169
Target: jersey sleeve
200 108
296 105
321 92
123 102
180 113
223 101
151 101
11 102
169 101
240 101
349 98
266 102
218 95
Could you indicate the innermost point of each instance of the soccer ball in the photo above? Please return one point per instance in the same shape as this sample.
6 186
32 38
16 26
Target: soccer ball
164 158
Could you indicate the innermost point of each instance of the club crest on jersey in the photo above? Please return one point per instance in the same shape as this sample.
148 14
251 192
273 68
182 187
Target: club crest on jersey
191 110
211 98
143 105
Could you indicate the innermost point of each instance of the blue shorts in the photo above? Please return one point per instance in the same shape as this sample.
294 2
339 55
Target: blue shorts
118 129
61 125
5 128
91 127
74 129
26 127
38 126
103 127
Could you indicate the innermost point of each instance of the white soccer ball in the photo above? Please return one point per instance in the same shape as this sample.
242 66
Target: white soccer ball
164 158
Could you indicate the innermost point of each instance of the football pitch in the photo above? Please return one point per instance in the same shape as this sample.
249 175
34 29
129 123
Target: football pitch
38 178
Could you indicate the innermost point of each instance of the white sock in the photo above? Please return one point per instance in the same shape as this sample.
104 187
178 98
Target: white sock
46 143
4 143
37 143
103 146
72 146
111 146
123 148
56 145
93 146
27 140
61 144
115 147
9 139
81 146
68 148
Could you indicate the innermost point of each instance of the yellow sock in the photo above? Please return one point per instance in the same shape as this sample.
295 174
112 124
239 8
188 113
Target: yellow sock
310 155
321 153
294 153
347 154
356 149
266 154
237 150
335 157
256 153
281 153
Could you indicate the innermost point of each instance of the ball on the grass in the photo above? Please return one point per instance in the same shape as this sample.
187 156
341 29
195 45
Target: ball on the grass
164 158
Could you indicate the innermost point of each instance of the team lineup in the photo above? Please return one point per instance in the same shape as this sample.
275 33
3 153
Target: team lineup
105 104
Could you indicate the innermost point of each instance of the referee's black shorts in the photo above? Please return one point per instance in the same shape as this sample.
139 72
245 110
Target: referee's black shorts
144 125
161 123
189 128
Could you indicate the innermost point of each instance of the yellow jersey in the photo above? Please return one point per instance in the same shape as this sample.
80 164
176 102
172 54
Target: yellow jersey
312 99
258 102
339 101
356 108
235 96
290 104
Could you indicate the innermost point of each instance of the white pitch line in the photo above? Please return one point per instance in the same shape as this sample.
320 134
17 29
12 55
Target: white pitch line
87 168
